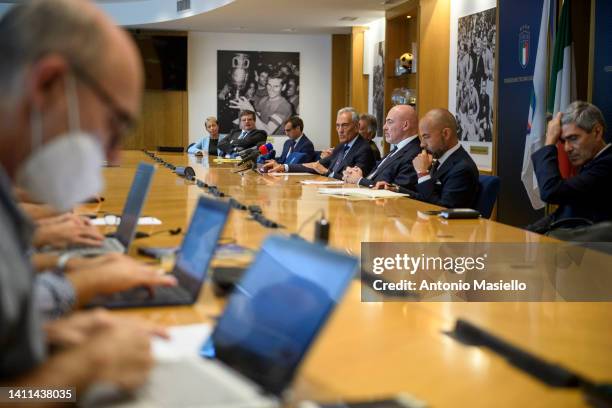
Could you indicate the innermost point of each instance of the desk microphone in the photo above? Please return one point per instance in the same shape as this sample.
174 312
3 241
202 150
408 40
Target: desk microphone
321 231
186 172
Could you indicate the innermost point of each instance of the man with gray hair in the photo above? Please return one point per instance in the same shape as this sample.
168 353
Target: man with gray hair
581 129
71 85
353 151
368 125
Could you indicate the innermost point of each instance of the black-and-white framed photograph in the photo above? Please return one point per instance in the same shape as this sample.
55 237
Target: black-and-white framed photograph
378 86
476 76
265 82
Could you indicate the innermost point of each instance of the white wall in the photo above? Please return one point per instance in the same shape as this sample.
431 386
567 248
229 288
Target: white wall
315 76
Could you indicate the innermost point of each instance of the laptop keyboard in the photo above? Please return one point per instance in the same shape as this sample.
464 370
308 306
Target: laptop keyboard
160 295
108 245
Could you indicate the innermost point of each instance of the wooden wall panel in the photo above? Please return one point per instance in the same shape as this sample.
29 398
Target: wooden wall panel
433 56
341 63
164 121
359 81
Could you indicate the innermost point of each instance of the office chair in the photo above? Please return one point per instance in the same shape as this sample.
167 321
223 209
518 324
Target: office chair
487 194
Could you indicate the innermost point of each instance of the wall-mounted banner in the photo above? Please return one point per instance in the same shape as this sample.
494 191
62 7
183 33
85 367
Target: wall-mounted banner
602 61
486 272
472 76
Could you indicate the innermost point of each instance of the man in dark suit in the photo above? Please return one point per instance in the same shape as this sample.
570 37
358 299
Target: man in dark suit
353 150
245 137
298 142
368 126
452 180
401 130
587 195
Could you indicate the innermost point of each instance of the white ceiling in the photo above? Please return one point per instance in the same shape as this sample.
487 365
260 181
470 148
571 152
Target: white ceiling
283 16
246 16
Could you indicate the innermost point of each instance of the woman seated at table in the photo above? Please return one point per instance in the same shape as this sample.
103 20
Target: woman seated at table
207 144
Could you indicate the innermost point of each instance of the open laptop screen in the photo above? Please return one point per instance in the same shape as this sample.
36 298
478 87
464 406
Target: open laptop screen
200 242
278 308
134 203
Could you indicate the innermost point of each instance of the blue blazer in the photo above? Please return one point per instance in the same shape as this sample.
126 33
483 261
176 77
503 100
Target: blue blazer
359 155
303 146
200 146
586 195
454 185
398 169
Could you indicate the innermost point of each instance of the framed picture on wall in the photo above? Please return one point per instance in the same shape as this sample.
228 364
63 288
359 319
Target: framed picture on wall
265 82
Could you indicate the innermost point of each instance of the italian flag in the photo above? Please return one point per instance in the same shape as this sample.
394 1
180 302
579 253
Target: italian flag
562 88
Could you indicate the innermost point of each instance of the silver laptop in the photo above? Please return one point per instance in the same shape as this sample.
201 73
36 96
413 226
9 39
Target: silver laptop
268 325
121 240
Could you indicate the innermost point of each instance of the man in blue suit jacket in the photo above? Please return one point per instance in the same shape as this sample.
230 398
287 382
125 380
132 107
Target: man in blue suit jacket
401 130
298 142
452 180
587 195
352 151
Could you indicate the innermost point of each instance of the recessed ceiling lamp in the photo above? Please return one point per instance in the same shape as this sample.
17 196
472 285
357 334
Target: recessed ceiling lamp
408 17
347 18
289 30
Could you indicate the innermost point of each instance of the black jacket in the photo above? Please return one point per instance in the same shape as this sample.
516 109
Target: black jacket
360 155
453 185
586 195
229 143
398 169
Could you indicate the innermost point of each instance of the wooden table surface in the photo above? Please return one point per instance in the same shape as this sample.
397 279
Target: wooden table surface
379 349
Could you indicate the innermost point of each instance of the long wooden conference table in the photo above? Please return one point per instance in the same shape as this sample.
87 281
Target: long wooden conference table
378 349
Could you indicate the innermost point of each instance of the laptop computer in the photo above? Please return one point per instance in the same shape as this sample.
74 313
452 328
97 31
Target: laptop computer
191 265
268 325
121 240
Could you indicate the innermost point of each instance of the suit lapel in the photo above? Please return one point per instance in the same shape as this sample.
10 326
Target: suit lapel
397 156
449 163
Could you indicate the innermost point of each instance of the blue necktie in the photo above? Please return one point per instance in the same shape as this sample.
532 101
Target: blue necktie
338 165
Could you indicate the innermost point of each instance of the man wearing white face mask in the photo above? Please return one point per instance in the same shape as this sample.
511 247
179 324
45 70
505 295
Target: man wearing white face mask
61 59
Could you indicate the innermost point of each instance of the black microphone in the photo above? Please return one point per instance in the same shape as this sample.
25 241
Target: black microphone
250 158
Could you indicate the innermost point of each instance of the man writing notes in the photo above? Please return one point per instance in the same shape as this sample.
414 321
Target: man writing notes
401 130
353 150
587 195
452 179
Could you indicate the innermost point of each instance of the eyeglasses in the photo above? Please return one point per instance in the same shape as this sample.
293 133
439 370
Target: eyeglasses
122 122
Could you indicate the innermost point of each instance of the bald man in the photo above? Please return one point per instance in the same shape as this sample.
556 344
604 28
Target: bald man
401 130
71 85
451 180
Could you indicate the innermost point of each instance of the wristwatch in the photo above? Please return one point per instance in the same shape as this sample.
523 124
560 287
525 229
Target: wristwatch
62 260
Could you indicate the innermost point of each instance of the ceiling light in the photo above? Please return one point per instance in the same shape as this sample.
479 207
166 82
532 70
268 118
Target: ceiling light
289 30
347 18
408 17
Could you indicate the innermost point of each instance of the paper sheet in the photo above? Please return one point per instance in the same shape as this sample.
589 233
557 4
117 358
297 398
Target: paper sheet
361 192
223 160
322 183
185 341
114 220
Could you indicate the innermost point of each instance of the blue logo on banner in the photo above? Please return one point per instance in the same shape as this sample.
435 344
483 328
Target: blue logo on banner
524 47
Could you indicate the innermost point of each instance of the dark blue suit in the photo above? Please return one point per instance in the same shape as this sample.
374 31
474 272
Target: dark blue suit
453 185
303 146
229 143
397 169
360 154
586 195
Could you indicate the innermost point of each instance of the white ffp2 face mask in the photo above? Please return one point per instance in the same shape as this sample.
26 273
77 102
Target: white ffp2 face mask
67 170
